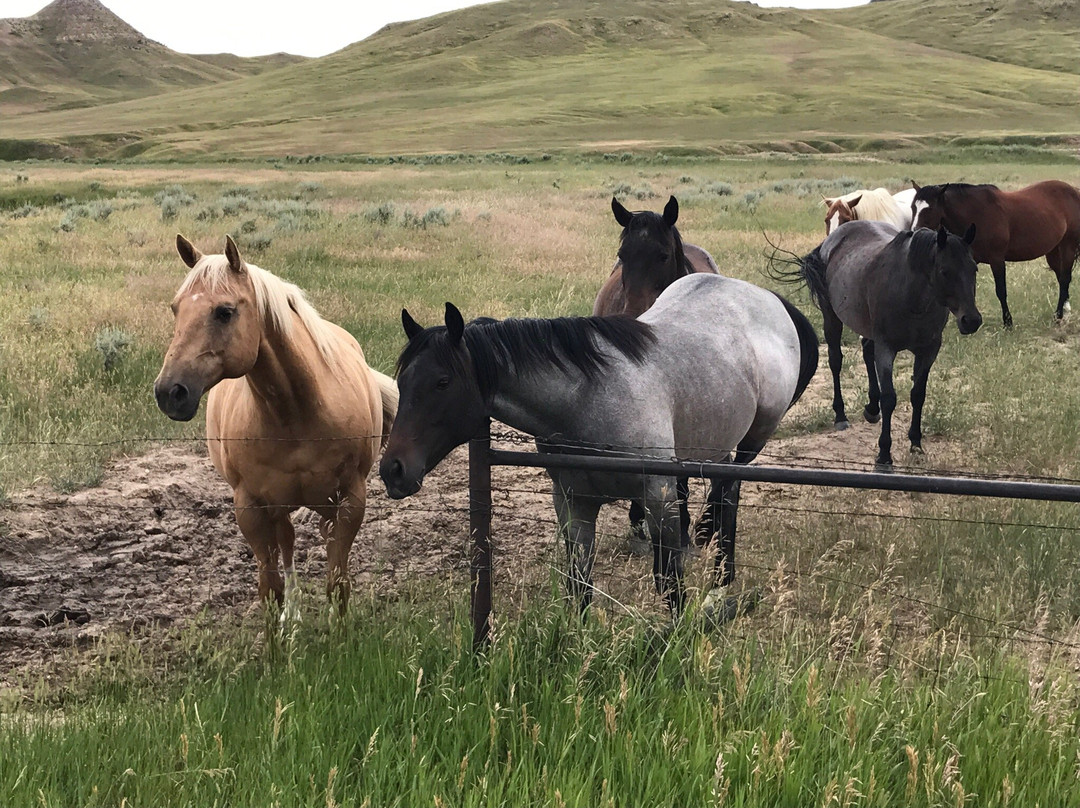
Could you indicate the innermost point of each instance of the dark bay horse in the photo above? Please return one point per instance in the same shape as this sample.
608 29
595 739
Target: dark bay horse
716 362
894 288
652 256
1042 219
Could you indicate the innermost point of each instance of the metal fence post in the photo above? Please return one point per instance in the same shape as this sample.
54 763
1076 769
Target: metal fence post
480 530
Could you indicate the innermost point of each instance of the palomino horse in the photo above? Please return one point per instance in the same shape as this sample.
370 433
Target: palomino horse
877 205
294 415
710 369
652 255
1042 219
895 289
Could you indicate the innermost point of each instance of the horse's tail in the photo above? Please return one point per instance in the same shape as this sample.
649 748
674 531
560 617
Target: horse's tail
808 348
388 392
786 267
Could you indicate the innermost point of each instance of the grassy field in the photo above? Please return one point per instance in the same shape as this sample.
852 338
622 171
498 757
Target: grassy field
899 661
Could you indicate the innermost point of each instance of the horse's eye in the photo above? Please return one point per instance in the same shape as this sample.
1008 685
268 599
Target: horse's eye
224 314
442 383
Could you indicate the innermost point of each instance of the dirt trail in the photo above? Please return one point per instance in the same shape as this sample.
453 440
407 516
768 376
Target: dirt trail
156 543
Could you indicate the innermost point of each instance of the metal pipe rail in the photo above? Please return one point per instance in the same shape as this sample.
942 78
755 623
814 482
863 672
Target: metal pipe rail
482 457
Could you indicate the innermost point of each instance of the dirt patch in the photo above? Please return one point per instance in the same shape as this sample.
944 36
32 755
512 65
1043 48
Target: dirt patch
156 543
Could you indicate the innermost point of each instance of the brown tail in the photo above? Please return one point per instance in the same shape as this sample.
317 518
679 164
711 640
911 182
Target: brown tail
389 393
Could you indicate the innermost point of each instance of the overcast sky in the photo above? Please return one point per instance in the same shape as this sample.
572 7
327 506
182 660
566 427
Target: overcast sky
256 27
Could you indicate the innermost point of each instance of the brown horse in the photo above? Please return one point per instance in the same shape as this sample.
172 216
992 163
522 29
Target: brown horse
652 256
1042 219
294 415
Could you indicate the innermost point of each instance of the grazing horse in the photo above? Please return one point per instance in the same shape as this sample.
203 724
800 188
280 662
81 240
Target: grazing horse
294 415
709 370
1042 219
895 289
652 256
877 205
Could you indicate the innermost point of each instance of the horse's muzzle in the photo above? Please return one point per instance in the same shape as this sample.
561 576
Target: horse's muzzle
969 323
399 483
177 401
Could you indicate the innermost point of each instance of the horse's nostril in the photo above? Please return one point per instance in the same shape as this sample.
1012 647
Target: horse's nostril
396 470
179 394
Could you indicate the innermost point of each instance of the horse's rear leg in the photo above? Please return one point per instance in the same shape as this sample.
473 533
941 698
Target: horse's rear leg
260 526
923 363
1061 260
872 411
833 329
883 364
998 268
347 522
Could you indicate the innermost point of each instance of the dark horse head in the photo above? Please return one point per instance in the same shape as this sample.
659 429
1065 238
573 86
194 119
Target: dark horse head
441 397
651 253
946 260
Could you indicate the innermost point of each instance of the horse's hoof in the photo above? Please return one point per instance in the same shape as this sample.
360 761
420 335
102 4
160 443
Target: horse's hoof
917 449
1007 322
719 609
840 426
871 417
883 466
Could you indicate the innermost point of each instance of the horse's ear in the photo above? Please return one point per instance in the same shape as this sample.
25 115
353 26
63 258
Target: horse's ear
412 328
853 202
455 324
969 236
826 201
622 215
942 237
232 254
188 252
916 185
671 212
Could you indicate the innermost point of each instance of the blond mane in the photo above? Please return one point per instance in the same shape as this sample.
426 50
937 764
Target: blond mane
275 299
878 205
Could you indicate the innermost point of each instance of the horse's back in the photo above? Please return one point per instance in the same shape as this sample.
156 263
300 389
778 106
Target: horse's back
729 355
852 256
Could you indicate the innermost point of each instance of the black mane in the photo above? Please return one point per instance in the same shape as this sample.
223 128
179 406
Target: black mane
520 346
649 226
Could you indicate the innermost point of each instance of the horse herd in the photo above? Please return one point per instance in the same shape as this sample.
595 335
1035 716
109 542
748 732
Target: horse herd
677 360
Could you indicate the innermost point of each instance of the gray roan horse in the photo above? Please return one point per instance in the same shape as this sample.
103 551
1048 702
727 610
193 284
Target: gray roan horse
715 362
895 289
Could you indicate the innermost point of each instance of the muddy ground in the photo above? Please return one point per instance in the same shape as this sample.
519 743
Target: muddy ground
156 544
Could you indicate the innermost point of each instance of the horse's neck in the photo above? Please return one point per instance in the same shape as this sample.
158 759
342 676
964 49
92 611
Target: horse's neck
286 373
537 404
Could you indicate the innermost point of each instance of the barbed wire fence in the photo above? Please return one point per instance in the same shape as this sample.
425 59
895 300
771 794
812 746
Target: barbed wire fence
507 494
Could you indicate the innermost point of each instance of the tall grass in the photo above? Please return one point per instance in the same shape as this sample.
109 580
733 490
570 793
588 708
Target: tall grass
390 708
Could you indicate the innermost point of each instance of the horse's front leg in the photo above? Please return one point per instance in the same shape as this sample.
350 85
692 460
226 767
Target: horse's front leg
883 364
998 268
872 411
577 521
663 519
260 525
923 362
833 329
341 534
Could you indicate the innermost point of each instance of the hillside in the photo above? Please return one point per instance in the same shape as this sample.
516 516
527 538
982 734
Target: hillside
1043 34
78 53
702 74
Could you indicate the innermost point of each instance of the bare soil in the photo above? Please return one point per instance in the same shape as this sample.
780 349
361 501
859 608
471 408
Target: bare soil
155 544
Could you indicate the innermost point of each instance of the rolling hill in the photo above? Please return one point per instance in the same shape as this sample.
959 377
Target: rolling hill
78 53
621 74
